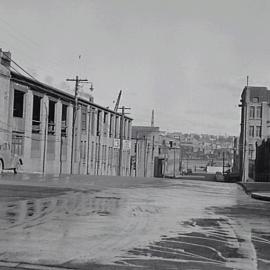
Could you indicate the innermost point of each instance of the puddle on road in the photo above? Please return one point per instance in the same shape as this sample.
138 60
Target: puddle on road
32 212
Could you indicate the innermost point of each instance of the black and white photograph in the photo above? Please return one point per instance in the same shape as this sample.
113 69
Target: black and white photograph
135 134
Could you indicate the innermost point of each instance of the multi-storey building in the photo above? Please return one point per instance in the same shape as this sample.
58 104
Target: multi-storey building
255 125
37 120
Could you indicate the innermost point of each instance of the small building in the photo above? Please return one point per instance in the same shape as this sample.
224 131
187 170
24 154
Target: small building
145 142
154 154
38 121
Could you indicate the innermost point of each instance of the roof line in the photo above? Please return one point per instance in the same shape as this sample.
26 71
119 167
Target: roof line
47 88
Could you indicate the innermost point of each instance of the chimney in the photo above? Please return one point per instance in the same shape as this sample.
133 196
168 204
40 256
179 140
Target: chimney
153 119
5 58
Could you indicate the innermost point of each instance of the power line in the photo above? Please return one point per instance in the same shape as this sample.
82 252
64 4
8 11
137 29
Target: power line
20 67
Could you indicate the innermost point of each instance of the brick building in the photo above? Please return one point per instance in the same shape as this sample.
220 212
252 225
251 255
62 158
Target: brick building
255 125
37 120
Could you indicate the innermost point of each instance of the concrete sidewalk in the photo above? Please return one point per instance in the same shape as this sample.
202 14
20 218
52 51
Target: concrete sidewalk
257 190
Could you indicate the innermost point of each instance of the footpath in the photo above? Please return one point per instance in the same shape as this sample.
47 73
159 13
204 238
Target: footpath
257 190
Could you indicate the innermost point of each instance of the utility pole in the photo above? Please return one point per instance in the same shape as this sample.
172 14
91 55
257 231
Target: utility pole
77 83
223 159
45 139
174 162
123 108
245 161
145 143
90 112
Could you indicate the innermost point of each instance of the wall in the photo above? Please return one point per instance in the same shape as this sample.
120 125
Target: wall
4 100
47 149
262 162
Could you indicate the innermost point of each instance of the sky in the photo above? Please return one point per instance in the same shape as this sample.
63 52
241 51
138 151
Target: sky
186 59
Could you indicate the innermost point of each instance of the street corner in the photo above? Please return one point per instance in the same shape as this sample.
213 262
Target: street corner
263 196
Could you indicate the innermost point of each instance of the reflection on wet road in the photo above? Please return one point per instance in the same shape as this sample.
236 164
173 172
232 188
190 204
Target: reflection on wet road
33 212
165 224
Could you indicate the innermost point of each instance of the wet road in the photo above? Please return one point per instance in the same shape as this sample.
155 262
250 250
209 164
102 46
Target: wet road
127 223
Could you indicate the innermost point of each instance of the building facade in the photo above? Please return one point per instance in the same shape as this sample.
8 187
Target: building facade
154 154
255 126
145 141
39 122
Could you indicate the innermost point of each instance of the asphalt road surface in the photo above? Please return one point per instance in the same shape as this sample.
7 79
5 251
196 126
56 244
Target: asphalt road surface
76 222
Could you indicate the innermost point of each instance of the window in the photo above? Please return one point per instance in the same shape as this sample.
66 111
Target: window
83 118
259 112
36 114
251 131
252 112
255 99
93 112
258 131
125 129
116 131
105 124
250 150
128 130
98 123
18 104
51 117
111 126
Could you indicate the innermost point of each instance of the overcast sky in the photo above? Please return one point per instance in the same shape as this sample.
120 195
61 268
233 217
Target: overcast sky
188 60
